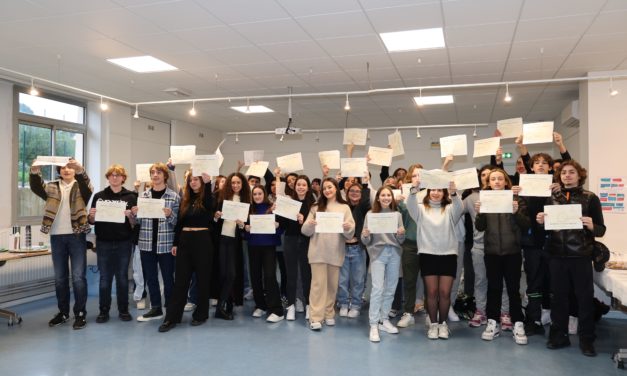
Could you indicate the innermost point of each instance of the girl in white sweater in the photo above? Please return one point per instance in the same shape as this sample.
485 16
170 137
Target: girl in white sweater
326 254
384 250
436 217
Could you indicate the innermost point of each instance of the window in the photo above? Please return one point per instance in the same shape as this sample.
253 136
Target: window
45 126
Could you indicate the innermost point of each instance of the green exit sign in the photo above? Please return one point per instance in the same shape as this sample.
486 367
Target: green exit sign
507 155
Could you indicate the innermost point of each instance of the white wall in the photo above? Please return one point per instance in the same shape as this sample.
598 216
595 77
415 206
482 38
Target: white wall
6 152
149 143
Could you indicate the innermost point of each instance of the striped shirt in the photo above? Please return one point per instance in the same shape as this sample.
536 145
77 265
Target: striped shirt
165 235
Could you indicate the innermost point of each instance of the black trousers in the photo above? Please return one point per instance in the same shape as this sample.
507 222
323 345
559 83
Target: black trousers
538 282
263 278
410 262
194 254
280 260
231 258
499 268
295 248
572 275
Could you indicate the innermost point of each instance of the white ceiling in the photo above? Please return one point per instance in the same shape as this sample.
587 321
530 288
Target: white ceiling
241 48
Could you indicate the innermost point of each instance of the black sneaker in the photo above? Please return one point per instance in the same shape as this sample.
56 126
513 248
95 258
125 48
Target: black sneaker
154 314
587 347
79 321
58 319
533 328
102 317
125 316
166 326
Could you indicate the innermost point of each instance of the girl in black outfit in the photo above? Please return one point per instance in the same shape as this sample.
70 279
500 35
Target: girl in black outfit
193 248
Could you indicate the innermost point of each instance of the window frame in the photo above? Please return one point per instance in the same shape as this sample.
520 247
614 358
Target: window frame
42 122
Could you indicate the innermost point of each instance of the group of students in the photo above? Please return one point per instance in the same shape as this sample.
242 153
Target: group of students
194 242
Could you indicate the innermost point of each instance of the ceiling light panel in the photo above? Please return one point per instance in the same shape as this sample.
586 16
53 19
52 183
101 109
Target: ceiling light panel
412 40
252 109
143 64
434 99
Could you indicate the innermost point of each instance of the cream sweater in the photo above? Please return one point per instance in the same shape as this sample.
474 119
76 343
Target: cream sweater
328 248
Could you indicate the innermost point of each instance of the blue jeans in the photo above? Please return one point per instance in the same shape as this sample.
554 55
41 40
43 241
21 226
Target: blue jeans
384 270
72 248
352 273
151 263
113 259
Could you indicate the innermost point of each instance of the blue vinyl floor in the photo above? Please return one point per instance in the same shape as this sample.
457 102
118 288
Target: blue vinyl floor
250 346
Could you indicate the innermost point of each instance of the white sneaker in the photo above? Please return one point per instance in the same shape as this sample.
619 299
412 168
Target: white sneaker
353 313
452 316
329 322
299 306
249 295
291 313
374 334
443 331
546 317
315 326
141 304
275 318
307 313
388 327
573 322
519 333
406 320
491 331
258 312
433 332
189 307
343 311
213 302
427 322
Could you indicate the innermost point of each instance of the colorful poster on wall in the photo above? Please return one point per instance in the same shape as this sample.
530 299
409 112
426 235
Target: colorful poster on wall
612 194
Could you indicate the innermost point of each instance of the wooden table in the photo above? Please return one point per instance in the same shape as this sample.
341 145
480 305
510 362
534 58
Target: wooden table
16 255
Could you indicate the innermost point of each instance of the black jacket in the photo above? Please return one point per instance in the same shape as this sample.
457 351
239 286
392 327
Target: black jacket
576 243
115 231
503 230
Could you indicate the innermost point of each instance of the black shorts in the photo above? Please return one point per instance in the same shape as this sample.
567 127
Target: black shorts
438 265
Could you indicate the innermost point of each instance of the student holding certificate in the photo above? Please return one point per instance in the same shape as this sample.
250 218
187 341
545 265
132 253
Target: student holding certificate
193 249
503 258
262 258
571 252
230 251
326 254
436 217
295 247
384 250
115 243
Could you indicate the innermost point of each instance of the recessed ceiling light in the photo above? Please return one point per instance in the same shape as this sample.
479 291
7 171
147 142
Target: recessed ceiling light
252 109
435 99
412 40
143 64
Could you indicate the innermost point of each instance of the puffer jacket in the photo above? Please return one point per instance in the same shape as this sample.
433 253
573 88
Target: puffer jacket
503 230
576 243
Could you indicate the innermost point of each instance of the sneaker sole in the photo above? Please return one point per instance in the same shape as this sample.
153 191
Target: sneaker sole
382 328
490 339
145 319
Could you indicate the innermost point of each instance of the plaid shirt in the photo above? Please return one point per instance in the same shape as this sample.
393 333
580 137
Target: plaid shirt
165 236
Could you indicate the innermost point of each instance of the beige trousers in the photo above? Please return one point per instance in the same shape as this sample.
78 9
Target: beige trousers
324 282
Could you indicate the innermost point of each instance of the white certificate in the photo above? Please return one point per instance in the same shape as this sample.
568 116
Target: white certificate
496 201
42 160
233 211
258 169
142 171
563 217
262 224
405 189
380 156
329 222
182 153
396 193
465 179
280 188
331 158
251 156
396 143
453 145
538 133
110 211
209 164
290 163
382 223
435 179
219 154
355 136
286 207
353 167
538 185
150 208
486 146
510 128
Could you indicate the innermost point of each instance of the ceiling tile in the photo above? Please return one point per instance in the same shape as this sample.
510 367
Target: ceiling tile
300 8
616 42
536 9
595 61
609 23
495 33
493 52
475 12
543 47
422 16
369 44
240 55
277 31
336 25
294 50
213 38
118 22
244 11
551 28
189 15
